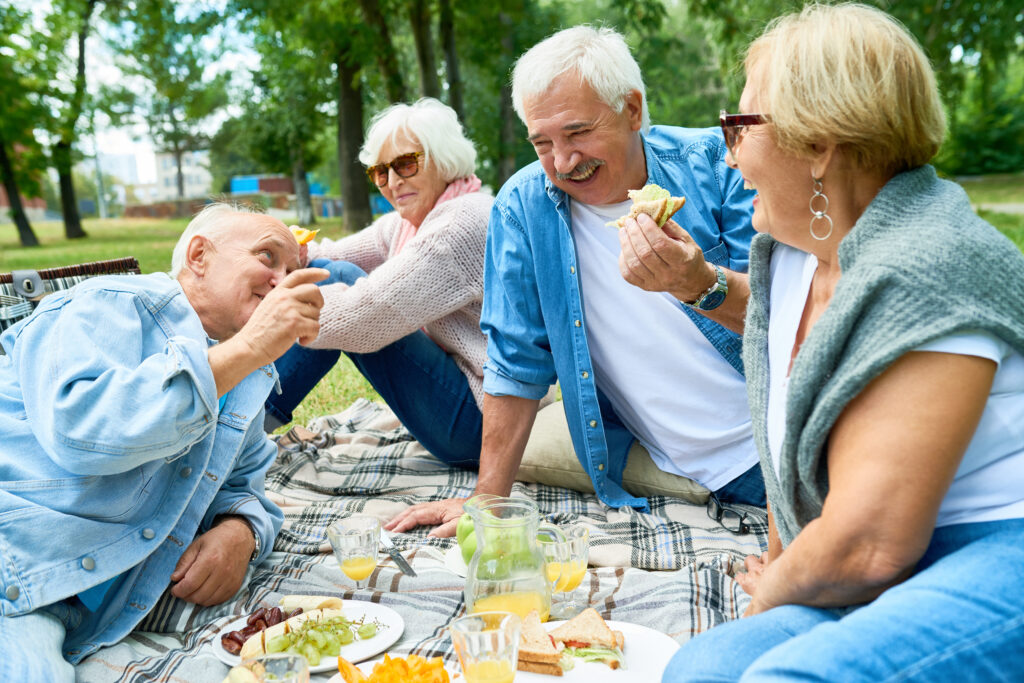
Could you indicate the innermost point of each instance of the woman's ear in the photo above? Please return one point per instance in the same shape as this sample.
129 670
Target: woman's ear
197 255
822 157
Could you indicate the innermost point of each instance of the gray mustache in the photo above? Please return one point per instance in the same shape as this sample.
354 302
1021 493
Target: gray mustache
585 167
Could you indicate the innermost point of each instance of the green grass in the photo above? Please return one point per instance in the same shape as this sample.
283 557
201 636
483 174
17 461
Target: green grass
995 189
151 242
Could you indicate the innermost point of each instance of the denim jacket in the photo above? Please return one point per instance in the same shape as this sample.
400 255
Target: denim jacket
533 311
115 453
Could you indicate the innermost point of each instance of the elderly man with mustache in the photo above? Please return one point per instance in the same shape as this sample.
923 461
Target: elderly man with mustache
638 325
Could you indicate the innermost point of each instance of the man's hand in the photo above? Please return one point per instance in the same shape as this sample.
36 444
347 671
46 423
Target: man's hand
290 311
663 259
444 513
212 568
755 567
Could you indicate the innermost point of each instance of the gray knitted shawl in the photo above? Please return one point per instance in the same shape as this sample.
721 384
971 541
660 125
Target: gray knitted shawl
917 266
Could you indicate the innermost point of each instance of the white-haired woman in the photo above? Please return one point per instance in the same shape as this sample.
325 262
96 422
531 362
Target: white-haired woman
403 300
883 346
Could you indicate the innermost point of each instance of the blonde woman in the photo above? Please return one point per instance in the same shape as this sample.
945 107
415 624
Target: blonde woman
883 347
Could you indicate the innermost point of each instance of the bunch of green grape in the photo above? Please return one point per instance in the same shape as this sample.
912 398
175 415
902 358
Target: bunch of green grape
316 639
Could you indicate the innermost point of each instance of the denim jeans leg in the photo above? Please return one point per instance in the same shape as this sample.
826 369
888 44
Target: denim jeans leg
31 648
747 488
429 395
301 368
724 652
961 618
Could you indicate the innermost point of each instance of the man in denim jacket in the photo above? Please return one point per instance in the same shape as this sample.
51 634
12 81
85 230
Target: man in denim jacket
133 451
638 325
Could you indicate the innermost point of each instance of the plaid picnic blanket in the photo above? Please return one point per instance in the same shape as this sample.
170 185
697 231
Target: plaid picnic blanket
669 569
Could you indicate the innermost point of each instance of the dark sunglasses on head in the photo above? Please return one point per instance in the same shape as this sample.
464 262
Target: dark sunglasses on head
734 521
734 125
405 165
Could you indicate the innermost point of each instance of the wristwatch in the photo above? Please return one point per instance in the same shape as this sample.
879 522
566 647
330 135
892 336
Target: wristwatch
713 297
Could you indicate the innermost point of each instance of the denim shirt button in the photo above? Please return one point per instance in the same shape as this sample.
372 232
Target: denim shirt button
88 564
572 269
185 472
600 467
12 593
584 374
593 423
148 534
578 323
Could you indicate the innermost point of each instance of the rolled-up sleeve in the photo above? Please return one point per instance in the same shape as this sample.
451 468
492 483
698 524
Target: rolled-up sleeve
101 395
519 360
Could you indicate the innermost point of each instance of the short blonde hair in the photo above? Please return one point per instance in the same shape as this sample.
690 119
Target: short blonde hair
434 125
852 75
599 56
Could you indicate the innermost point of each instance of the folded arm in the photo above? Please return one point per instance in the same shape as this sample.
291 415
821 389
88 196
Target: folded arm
892 456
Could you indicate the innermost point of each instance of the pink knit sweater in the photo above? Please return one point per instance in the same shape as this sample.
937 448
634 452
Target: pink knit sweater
436 282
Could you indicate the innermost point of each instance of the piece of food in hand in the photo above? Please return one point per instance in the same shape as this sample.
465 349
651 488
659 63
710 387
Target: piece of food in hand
586 636
655 201
308 603
411 669
538 652
303 236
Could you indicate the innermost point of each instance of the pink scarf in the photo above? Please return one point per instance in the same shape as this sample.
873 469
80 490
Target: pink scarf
456 188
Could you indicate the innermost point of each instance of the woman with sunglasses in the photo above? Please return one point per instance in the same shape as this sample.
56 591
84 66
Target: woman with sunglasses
883 348
403 299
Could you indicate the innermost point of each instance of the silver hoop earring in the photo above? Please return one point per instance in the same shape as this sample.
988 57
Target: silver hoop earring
819 215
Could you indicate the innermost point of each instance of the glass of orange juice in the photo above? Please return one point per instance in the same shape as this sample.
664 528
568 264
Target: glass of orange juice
356 540
565 566
487 645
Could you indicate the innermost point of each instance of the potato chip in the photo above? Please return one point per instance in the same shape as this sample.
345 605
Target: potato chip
411 669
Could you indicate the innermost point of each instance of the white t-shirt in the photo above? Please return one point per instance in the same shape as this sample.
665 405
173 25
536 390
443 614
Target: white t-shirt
668 385
989 484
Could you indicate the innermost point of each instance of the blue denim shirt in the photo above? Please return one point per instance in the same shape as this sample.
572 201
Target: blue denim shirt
532 308
115 454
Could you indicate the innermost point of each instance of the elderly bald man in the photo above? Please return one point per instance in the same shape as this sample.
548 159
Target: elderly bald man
133 451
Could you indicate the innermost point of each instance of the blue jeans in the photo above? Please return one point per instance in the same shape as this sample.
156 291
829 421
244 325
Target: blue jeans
747 488
419 381
31 645
960 617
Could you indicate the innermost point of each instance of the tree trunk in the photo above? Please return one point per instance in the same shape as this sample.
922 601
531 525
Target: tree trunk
446 29
62 152
25 234
507 137
387 58
303 201
419 16
68 203
178 154
354 193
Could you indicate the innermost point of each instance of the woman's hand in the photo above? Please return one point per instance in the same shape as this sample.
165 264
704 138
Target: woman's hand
755 566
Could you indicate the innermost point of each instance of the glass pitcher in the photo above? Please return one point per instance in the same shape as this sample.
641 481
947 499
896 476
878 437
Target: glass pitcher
506 572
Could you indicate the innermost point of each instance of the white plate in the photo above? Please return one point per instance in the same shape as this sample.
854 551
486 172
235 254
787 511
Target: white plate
390 630
454 562
367 668
646 654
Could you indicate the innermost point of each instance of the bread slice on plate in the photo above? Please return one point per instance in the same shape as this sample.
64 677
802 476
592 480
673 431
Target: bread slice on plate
537 651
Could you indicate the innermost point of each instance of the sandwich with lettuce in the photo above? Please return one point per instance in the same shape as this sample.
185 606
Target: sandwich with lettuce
655 201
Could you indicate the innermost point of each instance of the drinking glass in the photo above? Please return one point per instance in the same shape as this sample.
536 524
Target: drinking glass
487 645
566 565
279 668
356 540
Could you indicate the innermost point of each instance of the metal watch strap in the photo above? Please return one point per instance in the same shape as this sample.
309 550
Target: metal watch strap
718 285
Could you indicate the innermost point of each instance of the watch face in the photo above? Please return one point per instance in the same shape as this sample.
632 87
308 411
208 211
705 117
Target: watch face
712 301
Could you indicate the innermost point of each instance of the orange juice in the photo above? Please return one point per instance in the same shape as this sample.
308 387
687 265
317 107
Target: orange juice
489 671
518 603
358 568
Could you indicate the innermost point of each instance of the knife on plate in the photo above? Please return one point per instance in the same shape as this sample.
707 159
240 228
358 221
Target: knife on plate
402 563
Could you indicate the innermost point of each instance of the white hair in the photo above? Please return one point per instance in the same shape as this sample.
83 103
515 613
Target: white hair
599 56
434 125
211 222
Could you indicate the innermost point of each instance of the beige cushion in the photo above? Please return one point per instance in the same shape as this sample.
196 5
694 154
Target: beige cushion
550 459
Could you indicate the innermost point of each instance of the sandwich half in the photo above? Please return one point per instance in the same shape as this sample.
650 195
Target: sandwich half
537 651
655 201
588 637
